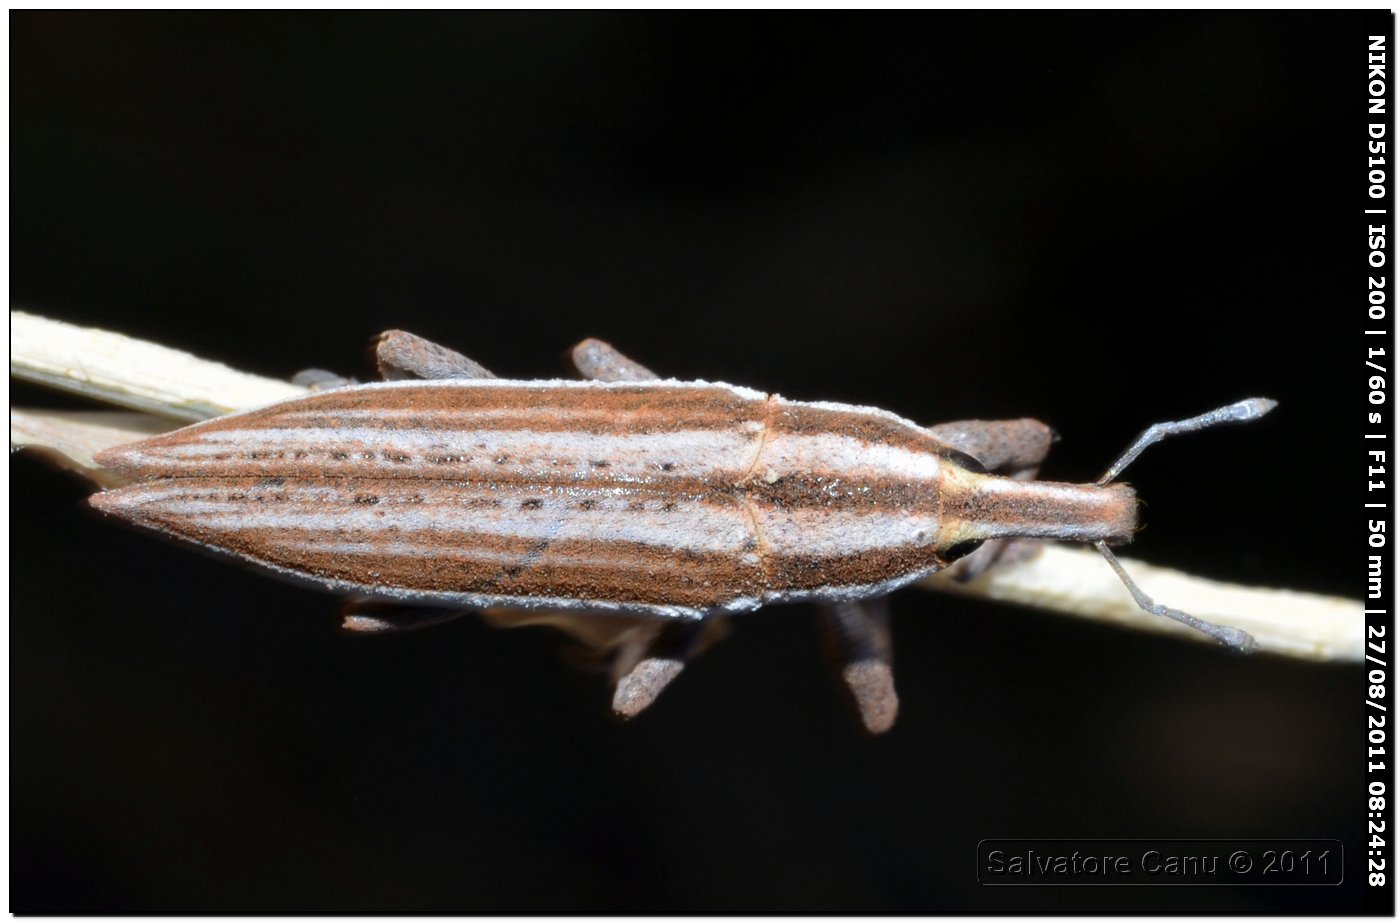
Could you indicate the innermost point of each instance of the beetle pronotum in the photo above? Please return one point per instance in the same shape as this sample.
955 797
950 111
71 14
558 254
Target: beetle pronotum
640 507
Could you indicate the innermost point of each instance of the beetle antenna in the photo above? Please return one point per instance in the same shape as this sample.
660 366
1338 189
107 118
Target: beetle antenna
1241 412
1240 640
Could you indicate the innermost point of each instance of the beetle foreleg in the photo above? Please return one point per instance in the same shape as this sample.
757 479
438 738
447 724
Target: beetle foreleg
1010 447
998 550
401 356
598 361
859 633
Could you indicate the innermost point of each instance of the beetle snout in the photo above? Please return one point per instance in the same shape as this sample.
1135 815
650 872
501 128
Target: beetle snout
977 507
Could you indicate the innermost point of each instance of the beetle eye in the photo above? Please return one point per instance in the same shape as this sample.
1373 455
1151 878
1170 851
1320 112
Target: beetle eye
959 551
963 459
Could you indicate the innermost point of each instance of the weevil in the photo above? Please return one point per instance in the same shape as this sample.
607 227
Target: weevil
636 509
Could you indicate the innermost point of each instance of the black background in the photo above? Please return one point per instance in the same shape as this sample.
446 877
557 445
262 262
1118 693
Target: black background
1102 220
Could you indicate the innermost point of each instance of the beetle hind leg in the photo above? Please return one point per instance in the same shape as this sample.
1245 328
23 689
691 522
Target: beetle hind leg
376 616
643 654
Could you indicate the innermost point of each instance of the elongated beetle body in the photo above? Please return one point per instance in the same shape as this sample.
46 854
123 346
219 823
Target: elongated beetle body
667 498
625 495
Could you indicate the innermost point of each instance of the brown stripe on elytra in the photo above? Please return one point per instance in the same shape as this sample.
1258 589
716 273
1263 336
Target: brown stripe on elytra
620 572
700 402
841 494
803 419
647 421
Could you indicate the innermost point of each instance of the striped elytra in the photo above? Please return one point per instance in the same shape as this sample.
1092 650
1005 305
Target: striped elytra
661 497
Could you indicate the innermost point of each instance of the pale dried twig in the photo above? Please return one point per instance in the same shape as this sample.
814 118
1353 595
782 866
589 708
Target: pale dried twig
70 438
130 372
1074 581
133 373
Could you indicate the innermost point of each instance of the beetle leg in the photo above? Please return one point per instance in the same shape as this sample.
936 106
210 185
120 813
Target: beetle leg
1013 448
596 632
998 550
598 361
374 616
646 653
1010 447
859 635
402 356
319 379
651 669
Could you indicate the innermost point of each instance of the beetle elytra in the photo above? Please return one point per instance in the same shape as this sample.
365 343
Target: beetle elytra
624 504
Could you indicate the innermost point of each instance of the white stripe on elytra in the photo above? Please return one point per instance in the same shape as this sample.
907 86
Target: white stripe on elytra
691 453
550 556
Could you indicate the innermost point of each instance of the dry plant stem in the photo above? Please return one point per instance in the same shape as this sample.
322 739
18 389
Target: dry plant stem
69 438
130 372
1074 581
133 373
